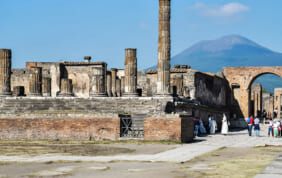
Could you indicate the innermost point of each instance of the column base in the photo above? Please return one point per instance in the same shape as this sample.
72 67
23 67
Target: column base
46 94
65 95
5 94
35 94
162 95
98 95
130 95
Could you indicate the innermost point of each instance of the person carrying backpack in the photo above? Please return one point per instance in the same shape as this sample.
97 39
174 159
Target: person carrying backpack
250 122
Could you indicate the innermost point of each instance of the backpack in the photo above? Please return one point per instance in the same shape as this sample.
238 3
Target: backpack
249 120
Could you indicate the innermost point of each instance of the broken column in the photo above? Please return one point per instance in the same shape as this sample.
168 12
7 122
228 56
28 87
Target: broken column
130 78
46 86
35 81
5 72
109 83
163 80
66 87
87 59
114 76
118 87
98 81
122 79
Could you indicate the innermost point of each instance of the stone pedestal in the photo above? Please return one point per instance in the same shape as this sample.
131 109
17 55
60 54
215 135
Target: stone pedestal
18 91
5 72
35 82
46 86
163 81
114 77
130 81
98 82
66 88
109 84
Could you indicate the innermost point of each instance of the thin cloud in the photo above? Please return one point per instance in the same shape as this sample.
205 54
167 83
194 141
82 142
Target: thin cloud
226 10
144 26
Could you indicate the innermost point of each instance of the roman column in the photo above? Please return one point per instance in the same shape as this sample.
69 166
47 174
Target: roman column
109 83
130 78
98 81
5 72
122 79
35 81
114 76
66 87
118 87
46 86
163 80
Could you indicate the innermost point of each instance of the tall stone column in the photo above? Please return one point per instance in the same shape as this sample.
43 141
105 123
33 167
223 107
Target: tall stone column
130 80
35 81
163 81
46 86
5 72
114 76
109 83
98 82
66 87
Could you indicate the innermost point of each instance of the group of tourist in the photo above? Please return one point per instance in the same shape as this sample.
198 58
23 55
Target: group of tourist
274 126
212 127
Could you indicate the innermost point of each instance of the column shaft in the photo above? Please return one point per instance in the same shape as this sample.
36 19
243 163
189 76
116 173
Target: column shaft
35 81
46 86
130 80
109 83
114 77
98 82
163 81
5 72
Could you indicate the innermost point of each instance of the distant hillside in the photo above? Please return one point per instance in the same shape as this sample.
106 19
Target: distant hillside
229 51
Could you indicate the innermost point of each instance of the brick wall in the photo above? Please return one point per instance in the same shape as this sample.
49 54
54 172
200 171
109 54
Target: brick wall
176 129
60 128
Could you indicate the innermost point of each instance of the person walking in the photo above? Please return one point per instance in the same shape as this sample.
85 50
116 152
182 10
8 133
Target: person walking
270 129
196 127
275 128
224 128
202 127
250 122
256 127
212 125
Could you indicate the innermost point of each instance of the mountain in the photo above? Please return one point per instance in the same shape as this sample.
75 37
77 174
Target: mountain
228 51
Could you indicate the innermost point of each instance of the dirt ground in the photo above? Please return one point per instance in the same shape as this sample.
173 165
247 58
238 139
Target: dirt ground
224 162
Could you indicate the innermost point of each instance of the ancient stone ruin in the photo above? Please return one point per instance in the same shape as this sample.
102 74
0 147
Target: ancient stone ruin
86 100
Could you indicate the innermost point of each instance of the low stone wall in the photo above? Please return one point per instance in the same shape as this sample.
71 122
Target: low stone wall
174 128
62 128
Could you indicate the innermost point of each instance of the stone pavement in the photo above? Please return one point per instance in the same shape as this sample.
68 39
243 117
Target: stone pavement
273 170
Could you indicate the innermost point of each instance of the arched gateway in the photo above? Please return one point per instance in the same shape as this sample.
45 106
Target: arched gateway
240 80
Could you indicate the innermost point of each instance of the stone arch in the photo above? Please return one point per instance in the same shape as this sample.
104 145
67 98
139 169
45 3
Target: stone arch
244 77
260 74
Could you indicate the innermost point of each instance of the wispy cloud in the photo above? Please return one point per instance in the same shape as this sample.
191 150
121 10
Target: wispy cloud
226 10
144 26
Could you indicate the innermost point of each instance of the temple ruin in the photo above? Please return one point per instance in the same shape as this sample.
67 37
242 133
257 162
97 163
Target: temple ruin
86 100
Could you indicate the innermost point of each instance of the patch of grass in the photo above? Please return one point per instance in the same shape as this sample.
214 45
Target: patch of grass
209 154
245 165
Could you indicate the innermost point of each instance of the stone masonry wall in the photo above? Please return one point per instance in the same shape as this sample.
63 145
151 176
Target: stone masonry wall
175 128
64 128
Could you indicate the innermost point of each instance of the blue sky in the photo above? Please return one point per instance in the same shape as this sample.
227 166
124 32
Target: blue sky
56 30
